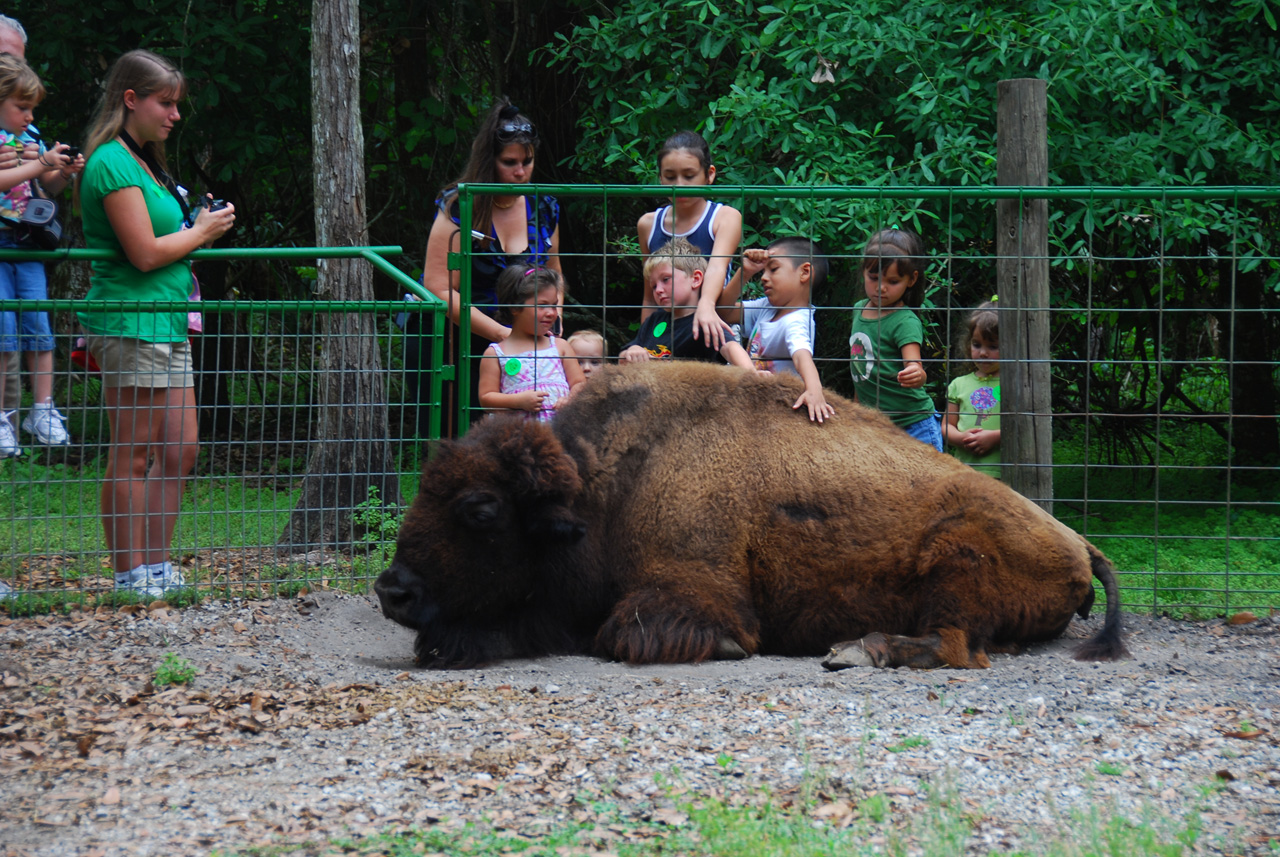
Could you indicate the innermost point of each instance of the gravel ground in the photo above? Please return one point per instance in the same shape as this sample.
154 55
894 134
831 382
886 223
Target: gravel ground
308 721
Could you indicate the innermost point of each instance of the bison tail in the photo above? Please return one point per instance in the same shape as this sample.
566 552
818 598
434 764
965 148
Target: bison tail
1107 644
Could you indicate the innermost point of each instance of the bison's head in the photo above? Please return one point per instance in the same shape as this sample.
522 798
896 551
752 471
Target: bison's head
493 511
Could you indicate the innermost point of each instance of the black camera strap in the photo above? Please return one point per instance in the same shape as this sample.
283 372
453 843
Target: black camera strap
165 180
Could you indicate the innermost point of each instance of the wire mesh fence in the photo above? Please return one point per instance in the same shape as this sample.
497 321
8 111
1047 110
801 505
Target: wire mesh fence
1162 350
277 389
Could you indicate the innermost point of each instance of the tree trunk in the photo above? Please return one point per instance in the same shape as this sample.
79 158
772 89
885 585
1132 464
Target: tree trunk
351 453
1255 439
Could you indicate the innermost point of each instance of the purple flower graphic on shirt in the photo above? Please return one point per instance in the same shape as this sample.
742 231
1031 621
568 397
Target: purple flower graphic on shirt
983 401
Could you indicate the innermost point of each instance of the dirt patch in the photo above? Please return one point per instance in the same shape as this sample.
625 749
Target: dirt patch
308 720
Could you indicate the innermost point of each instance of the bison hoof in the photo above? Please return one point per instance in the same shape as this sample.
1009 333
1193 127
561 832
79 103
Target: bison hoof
729 650
857 653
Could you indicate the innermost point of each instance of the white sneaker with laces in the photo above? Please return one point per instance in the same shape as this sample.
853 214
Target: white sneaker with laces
164 577
45 424
137 581
8 437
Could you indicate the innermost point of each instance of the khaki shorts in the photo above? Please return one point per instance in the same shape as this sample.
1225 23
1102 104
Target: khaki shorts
136 363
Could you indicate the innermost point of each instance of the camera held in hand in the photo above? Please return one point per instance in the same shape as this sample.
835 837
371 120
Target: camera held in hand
72 152
210 203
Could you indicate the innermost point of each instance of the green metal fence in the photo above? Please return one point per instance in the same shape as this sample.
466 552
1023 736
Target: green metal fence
260 370
1163 358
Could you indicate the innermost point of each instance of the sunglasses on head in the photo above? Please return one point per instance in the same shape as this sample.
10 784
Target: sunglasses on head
515 132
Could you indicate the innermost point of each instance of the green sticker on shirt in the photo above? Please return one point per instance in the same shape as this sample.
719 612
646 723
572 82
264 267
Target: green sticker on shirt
660 328
512 367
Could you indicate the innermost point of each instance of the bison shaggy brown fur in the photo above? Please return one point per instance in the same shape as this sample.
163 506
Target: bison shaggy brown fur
680 512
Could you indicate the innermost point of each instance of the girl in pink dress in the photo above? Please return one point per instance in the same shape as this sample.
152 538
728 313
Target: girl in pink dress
531 370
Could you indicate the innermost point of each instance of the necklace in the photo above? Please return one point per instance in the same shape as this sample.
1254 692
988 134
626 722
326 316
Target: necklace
497 204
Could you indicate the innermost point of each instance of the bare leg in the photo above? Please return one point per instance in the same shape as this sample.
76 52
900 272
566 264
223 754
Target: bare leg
40 365
175 455
10 380
140 505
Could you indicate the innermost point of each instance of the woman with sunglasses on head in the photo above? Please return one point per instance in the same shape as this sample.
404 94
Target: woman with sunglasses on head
515 229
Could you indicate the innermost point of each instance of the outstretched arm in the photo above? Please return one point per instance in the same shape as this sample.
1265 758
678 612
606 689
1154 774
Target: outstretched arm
733 352
812 397
951 433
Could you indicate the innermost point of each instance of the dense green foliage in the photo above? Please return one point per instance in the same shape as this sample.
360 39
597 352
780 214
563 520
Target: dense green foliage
820 92
817 92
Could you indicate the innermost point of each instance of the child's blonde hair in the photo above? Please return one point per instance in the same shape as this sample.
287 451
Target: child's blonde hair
19 81
679 254
590 336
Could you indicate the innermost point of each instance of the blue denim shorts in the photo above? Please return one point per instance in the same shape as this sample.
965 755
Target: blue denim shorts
23 281
928 430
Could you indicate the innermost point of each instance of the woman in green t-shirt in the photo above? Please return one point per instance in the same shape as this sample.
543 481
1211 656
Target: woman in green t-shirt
131 205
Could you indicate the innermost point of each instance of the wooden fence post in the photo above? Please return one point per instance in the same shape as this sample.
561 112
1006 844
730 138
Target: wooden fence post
1022 280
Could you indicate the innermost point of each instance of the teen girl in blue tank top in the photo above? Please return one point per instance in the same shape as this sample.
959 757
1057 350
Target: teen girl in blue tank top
715 229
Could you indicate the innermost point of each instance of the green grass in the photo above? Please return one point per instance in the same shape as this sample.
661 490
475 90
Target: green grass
54 532
174 670
766 827
908 743
1190 539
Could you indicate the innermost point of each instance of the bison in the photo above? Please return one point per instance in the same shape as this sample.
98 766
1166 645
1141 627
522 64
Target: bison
674 513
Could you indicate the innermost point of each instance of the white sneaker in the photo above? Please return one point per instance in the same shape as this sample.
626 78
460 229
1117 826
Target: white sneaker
137 581
164 577
44 423
8 437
